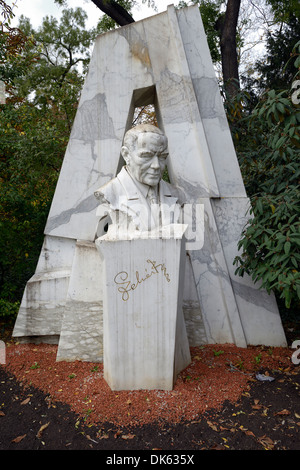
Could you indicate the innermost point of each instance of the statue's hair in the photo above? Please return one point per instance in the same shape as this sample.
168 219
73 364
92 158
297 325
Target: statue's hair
131 136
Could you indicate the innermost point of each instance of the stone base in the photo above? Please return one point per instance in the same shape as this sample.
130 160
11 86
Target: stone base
81 330
42 307
145 339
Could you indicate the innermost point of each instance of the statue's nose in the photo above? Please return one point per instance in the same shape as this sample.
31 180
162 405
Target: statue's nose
155 162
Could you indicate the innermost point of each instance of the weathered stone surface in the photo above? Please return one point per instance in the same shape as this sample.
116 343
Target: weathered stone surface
164 60
145 340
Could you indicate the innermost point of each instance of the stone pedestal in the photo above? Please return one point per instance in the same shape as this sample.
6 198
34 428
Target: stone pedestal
145 340
81 327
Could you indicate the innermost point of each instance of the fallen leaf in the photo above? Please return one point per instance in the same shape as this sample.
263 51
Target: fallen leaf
256 407
42 428
212 426
217 447
1 413
24 402
90 439
266 442
197 358
282 413
128 436
19 438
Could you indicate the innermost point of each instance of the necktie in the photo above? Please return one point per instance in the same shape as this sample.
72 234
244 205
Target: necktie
152 196
155 210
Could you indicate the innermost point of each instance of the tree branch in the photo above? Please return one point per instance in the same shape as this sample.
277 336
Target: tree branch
115 11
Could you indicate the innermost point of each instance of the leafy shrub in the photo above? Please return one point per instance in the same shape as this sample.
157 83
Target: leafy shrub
270 244
271 169
8 310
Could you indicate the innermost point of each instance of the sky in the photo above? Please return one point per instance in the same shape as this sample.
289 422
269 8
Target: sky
37 9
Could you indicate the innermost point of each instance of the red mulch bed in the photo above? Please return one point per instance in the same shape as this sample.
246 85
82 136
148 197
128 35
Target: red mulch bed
217 403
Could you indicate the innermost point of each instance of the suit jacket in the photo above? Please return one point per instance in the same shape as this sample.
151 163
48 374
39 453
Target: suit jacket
123 198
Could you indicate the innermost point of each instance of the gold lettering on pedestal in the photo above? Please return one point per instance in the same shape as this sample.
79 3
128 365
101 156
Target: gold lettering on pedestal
126 285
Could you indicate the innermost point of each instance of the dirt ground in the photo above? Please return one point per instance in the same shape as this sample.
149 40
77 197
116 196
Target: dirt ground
218 403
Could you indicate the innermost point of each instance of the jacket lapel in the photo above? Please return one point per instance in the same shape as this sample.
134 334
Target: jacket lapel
133 202
170 210
136 205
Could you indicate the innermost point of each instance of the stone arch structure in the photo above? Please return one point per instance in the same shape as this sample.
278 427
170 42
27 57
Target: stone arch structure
163 60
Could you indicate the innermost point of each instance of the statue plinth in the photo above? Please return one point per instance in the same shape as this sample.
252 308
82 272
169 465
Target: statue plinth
145 341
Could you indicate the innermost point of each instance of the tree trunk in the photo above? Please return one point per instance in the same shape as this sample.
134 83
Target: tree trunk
226 26
115 11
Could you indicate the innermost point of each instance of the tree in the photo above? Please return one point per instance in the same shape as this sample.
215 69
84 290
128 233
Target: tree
226 26
119 11
35 125
115 10
276 69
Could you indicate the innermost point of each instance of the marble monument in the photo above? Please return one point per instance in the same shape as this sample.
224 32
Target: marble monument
143 252
163 60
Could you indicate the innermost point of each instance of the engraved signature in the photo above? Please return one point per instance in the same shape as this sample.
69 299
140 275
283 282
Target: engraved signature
126 285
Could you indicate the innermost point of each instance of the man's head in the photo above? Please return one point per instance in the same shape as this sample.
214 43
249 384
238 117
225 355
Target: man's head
145 153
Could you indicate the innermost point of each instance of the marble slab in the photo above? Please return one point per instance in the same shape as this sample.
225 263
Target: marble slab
81 335
145 340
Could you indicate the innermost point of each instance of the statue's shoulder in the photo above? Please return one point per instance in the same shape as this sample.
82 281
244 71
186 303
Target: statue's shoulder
173 191
109 192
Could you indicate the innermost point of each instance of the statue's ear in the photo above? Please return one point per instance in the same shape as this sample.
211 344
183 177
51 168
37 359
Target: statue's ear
125 154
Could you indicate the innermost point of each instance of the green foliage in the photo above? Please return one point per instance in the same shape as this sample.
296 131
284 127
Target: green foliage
8 310
270 244
276 69
284 9
31 152
35 125
61 46
271 169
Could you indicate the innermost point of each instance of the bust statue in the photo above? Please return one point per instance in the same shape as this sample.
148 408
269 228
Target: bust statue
138 199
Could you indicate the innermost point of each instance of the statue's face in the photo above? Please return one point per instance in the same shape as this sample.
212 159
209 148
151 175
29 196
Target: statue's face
147 161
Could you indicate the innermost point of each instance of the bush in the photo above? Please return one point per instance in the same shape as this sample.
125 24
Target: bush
8 310
270 244
271 170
